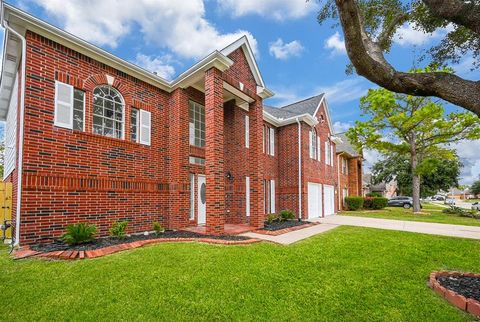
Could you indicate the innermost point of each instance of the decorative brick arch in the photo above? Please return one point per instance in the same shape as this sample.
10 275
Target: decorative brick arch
104 79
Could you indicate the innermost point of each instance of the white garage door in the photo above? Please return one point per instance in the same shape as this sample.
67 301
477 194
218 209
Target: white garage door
314 200
329 195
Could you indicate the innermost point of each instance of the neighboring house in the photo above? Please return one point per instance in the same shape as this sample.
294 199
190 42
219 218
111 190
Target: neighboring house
350 170
93 138
460 193
386 189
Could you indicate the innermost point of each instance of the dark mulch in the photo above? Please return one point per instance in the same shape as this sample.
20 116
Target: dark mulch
277 225
110 241
464 285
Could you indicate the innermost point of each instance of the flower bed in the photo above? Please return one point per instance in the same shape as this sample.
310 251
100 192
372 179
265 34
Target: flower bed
460 289
109 245
281 227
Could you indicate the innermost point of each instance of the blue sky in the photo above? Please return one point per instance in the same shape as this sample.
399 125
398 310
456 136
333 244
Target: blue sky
297 57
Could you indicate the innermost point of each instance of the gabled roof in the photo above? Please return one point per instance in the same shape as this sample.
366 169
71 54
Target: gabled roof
345 146
243 43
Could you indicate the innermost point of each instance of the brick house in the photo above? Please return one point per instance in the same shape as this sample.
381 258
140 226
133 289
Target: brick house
350 173
93 138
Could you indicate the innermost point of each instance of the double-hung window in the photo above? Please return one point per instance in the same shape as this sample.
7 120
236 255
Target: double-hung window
196 124
269 196
140 126
247 131
314 145
108 112
69 107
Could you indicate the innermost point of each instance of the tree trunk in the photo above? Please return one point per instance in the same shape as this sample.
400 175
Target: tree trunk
415 178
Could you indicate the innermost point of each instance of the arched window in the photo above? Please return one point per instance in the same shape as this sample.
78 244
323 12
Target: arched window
313 144
108 112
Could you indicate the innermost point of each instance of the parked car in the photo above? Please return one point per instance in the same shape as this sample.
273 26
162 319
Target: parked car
450 201
476 206
440 198
401 201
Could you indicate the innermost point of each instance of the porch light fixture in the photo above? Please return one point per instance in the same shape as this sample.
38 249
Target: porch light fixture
229 176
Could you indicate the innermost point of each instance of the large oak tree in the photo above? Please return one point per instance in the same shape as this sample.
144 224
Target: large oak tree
370 25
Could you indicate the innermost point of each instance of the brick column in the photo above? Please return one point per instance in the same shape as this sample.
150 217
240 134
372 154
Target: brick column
177 162
256 164
214 153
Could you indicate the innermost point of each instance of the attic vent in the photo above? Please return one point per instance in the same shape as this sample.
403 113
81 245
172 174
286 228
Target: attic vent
11 57
322 118
13 37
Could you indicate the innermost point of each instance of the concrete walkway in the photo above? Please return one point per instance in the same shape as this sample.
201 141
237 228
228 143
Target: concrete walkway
294 236
411 226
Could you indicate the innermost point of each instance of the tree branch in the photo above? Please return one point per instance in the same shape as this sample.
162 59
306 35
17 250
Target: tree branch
369 61
389 29
462 13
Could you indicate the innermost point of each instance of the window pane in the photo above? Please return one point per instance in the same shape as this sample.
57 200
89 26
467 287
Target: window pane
108 112
78 120
197 124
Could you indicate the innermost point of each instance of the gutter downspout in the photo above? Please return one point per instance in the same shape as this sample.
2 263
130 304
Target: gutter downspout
340 189
299 170
20 140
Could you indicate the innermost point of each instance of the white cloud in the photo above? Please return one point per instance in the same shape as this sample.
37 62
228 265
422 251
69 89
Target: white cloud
344 91
180 26
371 157
159 65
340 127
275 9
336 44
281 50
468 154
411 34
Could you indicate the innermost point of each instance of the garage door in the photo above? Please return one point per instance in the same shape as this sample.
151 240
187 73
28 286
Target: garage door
314 200
329 202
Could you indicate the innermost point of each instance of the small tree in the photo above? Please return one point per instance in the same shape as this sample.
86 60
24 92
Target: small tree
476 187
413 126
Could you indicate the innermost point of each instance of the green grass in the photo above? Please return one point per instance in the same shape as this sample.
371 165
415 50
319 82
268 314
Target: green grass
471 200
430 213
347 274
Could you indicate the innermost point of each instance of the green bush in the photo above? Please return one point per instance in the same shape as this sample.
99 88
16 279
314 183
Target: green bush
452 210
118 229
271 218
374 194
379 203
368 203
287 215
354 203
79 233
158 227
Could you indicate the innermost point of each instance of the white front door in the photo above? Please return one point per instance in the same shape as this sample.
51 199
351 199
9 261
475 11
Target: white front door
329 202
314 200
202 200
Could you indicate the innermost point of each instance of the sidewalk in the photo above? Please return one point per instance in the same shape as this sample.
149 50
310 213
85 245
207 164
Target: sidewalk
472 232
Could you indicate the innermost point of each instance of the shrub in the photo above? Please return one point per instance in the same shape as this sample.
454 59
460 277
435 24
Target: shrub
157 227
79 233
271 218
379 203
118 229
286 215
354 203
374 194
452 210
368 202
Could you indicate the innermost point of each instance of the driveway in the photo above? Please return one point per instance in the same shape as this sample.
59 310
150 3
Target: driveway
411 226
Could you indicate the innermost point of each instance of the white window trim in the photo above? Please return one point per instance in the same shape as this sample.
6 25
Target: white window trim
247 131
192 196
123 114
319 151
247 196
272 196
142 115
272 141
84 112
69 105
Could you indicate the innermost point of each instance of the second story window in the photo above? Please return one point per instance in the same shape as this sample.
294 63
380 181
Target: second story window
344 166
196 124
134 126
69 107
314 145
108 112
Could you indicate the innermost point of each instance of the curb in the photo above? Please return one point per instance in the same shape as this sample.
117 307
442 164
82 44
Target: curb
470 305
26 251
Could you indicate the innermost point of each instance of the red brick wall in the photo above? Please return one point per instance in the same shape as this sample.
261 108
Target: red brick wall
72 176
287 158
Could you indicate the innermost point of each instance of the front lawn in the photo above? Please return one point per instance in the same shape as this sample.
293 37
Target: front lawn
430 213
347 274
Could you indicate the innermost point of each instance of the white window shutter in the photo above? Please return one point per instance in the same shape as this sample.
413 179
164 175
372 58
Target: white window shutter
247 196
318 149
331 154
272 196
272 141
145 127
247 131
63 105
327 154
263 141
310 145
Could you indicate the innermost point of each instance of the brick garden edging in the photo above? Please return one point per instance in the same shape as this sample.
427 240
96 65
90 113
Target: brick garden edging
470 305
282 231
26 251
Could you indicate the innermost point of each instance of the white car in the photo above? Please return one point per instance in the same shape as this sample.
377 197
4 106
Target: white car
449 201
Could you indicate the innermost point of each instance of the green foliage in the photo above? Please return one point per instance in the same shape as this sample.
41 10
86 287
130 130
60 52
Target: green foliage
442 174
374 203
354 203
118 229
271 218
452 210
384 17
476 187
286 215
157 227
374 194
79 233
